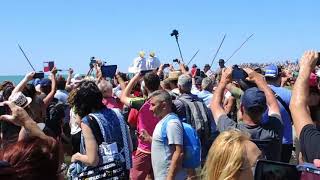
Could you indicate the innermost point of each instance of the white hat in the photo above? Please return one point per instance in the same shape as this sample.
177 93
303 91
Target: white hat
20 99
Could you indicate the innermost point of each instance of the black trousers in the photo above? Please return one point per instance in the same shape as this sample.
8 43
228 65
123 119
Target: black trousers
75 141
286 152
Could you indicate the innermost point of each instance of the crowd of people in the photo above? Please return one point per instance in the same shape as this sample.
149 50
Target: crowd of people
140 127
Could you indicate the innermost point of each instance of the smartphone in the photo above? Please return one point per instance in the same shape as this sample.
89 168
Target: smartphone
145 72
176 60
238 73
308 171
109 71
166 65
275 170
39 75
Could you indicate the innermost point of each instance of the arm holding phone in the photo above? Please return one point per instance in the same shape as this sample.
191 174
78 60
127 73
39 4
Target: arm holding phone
125 95
50 96
216 103
70 72
262 84
23 83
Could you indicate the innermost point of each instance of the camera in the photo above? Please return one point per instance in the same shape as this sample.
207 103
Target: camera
176 60
174 33
92 62
166 65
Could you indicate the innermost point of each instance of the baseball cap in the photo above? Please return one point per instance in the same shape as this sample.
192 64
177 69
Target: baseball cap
45 82
221 60
254 98
271 71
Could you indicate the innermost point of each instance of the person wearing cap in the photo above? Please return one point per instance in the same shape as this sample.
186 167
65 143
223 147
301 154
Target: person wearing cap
173 80
186 105
254 103
139 63
273 78
153 61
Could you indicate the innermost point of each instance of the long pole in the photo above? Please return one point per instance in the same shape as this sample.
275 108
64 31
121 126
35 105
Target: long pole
179 48
218 50
193 57
26 57
239 48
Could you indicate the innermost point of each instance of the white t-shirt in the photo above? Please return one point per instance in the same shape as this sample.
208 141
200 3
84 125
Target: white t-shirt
161 153
153 63
73 123
139 64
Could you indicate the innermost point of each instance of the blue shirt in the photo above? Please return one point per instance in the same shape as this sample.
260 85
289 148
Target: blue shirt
206 96
285 95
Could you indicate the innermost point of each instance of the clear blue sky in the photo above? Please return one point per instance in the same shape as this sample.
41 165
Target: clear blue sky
71 31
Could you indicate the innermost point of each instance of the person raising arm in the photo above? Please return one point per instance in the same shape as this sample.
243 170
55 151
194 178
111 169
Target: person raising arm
308 135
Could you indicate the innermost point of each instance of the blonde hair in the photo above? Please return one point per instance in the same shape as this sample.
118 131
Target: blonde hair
226 156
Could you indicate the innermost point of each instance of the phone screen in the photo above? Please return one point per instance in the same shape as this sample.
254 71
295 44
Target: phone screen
238 74
109 71
275 170
145 72
39 75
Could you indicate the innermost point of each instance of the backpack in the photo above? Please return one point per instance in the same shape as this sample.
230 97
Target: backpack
197 115
191 145
115 162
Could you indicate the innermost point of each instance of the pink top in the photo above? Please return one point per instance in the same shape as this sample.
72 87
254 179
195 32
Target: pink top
148 122
112 102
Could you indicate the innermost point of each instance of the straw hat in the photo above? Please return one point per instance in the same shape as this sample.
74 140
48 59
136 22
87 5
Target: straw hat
20 99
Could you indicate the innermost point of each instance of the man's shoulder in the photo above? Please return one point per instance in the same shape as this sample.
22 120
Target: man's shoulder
281 91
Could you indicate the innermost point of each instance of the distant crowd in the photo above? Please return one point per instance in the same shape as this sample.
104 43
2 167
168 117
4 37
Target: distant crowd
161 122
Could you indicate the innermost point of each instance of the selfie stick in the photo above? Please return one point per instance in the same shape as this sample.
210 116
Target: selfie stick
176 34
218 50
26 57
193 57
239 48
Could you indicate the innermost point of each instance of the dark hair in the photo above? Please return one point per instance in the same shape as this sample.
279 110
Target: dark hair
7 91
4 84
255 112
31 158
61 83
152 81
55 115
29 91
87 98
